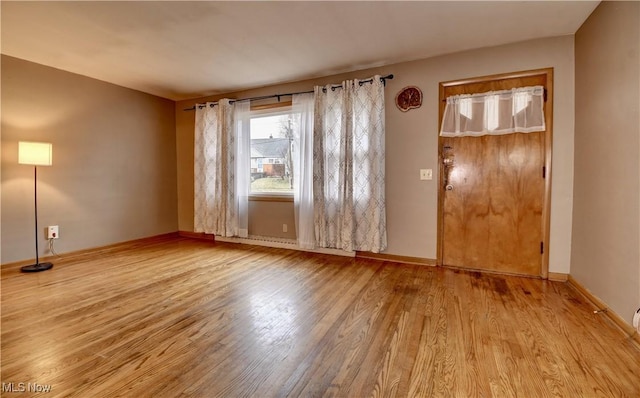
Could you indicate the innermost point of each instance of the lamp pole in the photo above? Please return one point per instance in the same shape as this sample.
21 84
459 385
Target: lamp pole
35 206
35 153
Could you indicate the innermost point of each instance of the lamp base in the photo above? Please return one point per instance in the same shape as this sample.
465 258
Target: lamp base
36 267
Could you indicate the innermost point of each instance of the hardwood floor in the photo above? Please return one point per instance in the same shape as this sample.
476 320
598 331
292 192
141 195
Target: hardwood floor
180 317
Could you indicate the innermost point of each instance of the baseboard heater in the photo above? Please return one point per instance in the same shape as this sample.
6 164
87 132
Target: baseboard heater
282 243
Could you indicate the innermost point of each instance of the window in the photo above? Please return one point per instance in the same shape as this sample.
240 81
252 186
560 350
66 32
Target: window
271 145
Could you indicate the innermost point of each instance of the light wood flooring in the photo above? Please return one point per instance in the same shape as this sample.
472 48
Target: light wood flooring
179 317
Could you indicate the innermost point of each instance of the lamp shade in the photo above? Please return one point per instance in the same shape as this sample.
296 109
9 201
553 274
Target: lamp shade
35 153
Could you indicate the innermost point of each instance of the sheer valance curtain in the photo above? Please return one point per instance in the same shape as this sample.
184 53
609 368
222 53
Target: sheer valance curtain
221 177
519 110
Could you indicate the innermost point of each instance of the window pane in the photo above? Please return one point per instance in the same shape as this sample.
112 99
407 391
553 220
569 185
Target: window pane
271 162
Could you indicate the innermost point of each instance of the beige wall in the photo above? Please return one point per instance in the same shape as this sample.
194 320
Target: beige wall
268 218
605 249
114 165
412 139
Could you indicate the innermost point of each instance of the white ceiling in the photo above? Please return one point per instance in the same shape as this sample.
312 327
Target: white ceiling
185 49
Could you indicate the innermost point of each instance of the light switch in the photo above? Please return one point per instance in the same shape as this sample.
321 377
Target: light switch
426 174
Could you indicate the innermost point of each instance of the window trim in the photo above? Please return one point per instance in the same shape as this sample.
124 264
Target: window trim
268 197
268 107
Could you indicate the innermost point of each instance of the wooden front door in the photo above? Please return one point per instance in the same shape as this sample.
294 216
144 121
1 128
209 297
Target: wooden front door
493 193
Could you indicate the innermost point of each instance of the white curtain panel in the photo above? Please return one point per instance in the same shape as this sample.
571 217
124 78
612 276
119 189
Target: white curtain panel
303 169
349 168
519 110
242 117
219 195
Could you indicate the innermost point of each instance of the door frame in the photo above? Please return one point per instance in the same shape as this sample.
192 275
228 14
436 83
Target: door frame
548 141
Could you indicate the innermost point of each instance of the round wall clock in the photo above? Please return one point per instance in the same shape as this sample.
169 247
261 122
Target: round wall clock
408 98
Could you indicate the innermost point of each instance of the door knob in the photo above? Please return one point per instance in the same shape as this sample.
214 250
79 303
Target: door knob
449 187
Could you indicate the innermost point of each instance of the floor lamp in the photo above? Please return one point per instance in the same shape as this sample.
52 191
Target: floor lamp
35 154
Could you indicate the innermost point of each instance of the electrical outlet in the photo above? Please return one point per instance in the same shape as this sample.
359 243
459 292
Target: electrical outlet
284 228
426 174
53 232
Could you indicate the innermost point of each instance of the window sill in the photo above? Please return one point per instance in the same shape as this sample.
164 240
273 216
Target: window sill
270 198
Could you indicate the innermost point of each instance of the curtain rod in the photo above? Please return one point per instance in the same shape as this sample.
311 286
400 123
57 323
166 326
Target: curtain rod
383 79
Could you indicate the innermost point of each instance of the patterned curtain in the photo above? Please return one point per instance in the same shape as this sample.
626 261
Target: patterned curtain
218 199
349 166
